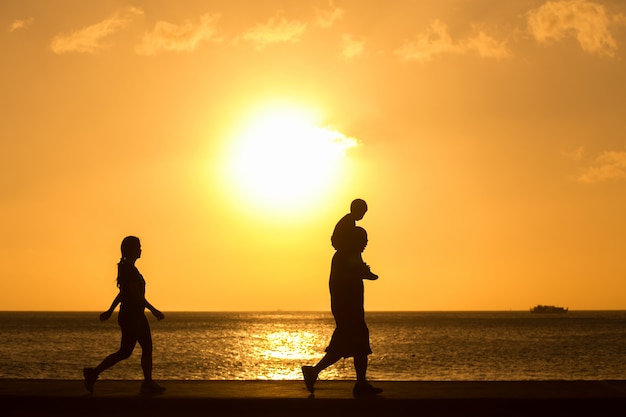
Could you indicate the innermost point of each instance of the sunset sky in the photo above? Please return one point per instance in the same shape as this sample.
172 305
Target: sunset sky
488 138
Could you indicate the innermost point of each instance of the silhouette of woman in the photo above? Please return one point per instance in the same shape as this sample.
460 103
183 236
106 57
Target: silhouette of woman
131 319
351 335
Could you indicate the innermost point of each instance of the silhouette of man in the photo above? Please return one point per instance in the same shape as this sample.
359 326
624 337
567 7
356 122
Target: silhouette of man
351 335
347 223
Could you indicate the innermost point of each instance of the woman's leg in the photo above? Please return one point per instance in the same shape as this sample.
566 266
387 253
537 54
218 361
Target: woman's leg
145 341
127 345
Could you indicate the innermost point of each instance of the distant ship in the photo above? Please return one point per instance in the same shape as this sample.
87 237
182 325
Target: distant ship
540 309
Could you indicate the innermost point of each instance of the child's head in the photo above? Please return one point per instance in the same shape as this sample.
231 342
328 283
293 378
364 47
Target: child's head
356 239
358 208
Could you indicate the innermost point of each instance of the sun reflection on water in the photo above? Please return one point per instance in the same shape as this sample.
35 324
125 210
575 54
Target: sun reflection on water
290 345
281 353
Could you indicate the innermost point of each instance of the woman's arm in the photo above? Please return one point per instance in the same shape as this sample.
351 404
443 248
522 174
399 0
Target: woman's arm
107 314
135 294
159 316
134 289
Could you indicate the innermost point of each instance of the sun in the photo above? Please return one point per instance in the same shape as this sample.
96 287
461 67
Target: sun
282 159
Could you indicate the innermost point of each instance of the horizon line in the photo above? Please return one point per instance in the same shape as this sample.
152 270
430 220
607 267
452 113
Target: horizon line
312 311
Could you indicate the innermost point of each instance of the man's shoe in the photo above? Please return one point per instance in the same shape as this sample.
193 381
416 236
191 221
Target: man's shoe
151 387
309 378
365 389
90 378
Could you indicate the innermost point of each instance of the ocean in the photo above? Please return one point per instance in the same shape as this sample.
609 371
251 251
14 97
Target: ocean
407 346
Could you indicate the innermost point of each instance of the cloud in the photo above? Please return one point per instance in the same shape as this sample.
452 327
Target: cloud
351 48
436 41
89 39
20 24
610 165
276 30
484 46
575 155
181 38
588 22
326 18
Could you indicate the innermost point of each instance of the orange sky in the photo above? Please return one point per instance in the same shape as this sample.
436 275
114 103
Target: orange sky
491 149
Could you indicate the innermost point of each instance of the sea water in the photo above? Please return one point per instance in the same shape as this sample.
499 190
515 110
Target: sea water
578 345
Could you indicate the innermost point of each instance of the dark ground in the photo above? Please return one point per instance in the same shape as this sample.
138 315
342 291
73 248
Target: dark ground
332 398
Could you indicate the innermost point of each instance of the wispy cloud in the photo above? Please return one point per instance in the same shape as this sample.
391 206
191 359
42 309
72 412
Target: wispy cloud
575 155
436 41
326 18
484 46
587 21
275 30
89 39
351 48
20 24
182 38
610 165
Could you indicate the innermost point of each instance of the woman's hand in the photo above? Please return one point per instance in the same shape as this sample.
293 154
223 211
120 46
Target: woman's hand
159 316
106 315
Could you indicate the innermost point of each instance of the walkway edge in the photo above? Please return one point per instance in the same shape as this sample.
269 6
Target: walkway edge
332 398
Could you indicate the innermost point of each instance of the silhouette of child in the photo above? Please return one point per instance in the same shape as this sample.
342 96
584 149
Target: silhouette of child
347 223
131 319
351 335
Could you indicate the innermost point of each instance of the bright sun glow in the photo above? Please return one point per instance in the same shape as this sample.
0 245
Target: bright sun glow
282 159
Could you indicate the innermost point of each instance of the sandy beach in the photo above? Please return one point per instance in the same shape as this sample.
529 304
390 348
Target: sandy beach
331 398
